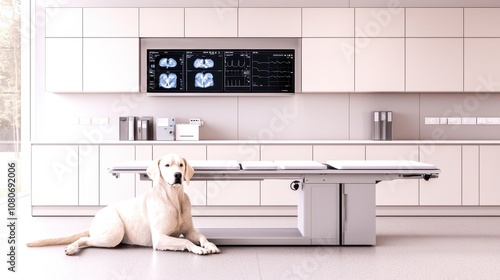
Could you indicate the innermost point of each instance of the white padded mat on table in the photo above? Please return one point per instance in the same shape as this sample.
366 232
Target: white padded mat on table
258 165
132 165
300 165
379 164
215 164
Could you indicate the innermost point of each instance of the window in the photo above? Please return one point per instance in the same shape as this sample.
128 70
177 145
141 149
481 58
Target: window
10 75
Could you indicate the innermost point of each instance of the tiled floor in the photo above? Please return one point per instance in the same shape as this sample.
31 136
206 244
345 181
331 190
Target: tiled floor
407 248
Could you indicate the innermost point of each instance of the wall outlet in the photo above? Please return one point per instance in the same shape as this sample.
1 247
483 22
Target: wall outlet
454 121
469 121
443 120
85 121
430 120
488 121
196 121
100 121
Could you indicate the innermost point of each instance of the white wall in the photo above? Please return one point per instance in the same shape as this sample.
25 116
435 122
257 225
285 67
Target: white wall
315 116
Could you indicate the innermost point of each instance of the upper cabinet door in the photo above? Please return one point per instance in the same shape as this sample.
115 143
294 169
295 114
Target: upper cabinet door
481 22
327 22
211 22
110 22
481 56
63 64
161 22
270 22
63 22
434 64
380 22
432 22
380 65
327 64
111 64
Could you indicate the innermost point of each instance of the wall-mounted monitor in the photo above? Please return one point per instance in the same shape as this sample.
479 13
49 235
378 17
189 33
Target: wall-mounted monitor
221 70
246 66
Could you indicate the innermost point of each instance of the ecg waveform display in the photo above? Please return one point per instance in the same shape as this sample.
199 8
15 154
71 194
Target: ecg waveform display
221 71
273 71
237 71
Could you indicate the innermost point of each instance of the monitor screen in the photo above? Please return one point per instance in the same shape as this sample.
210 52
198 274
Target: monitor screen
221 71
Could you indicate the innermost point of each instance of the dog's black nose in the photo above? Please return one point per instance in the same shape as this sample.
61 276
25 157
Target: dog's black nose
178 177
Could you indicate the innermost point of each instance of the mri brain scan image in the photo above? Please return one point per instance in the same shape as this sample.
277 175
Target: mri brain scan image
168 80
204 80
203 63
168 62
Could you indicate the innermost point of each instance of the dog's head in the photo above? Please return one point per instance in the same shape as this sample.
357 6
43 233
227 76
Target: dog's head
173 169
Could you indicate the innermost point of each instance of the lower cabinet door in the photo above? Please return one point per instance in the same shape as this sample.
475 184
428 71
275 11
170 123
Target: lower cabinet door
489 183
358 216
447 189
233 193
325 214
54 175
395 192
277 193
88 178
114 189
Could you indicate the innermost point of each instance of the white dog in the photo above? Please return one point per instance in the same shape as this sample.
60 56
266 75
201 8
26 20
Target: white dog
156 219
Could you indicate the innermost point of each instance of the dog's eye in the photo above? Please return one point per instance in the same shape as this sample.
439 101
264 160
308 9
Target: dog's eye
167 165
181 165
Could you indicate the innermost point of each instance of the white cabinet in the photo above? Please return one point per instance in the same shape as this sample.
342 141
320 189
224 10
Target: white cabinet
211 22
470 175
233 193
380 65
110 22
63 64
54 175
88 175
269 22
161 22
63 22
327 64
110 64
481 22
197 190
338 152
278 192
481 58
432 22
327 22
434 64
114 189
324 220
358 223
490 184
239 153
395 192
143 152
379 22
447 189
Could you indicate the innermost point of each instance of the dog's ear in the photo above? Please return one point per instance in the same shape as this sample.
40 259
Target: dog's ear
188 170
154 170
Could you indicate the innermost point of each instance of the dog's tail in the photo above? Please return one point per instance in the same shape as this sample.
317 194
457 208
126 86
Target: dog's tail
59 240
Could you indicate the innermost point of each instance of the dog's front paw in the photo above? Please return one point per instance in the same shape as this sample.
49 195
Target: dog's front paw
198 250
211 247
70 249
